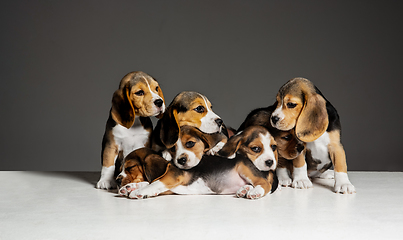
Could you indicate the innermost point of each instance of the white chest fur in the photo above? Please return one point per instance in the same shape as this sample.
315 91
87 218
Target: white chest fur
130 139
319 150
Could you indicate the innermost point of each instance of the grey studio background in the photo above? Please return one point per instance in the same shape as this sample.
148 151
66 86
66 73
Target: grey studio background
61 61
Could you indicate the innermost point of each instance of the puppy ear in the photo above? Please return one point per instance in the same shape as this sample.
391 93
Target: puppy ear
169 133
273 180
154 167
122 107
231 146
313 120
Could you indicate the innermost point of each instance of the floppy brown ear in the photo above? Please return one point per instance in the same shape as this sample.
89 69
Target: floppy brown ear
313 120
210 139
169 133
122 108
154 167
231 146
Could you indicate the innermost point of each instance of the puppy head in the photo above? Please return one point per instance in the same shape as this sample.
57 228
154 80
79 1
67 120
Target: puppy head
138 95
288 145
256 144
141 165
190 109
191 146
300 105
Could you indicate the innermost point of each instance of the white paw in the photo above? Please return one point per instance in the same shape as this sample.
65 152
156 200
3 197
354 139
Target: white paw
342 183
243 191
285 182
142 193
128 188
215 149
107 181
255 193
329 174
283 177
166 155
302 183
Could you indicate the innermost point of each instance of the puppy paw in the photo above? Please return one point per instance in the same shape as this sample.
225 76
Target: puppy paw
285 182
142 193
106 184
255 193
243 191
128 188
304 183
283 177
166 155
329 174
344 188
215 149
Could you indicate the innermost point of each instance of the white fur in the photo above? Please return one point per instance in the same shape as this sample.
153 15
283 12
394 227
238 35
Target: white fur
155 97
319 150
342 183
166 155
216 148
208 124
243 190
151 190
267 154
197 187
181 151
300 176
278 113
107 180
283 177
130 139
255 193
128 188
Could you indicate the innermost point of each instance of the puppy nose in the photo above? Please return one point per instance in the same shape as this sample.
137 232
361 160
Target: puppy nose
219 122
269 163
300 148
158 102
275 119
182 161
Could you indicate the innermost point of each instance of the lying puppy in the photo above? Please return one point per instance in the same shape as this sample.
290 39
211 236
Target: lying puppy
302 106
129 126
219 175
190 109
187 153
288 146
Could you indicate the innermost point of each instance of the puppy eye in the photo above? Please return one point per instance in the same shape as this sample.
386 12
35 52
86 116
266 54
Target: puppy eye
256 149
190 144
291 105
287 138
139 93
199 109
274 147
157 88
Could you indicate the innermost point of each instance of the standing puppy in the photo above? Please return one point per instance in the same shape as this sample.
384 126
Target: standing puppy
129 126
302 106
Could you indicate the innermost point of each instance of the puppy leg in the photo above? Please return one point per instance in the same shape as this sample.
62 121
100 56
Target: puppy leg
130 187
336 151
283 170
260 185
109 156
300 173
243 191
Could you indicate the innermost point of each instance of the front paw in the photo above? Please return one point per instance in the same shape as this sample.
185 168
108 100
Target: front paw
142 193
344 188
215 149
255 193
243 191
106 184
128 188
303 183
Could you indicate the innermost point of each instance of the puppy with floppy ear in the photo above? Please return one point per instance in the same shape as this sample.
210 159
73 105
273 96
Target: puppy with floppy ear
129 126
288 145
302 106
187 108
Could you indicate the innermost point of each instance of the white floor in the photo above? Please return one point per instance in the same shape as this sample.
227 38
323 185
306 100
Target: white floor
65 205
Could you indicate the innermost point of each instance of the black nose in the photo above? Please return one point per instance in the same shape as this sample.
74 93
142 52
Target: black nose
182 161
300 148
269 163
219 122
158 102
274 119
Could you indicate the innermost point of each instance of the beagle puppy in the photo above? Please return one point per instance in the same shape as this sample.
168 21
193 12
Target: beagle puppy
249 174
288 145
191 109
187 153
129 126
301 106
